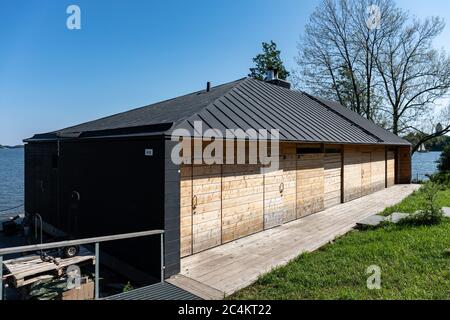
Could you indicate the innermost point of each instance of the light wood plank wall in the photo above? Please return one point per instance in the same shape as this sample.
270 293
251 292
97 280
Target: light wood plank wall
185 210
289 165
206 207
310 184
364 171
242 201
274 210
280 190
390 167
378 169
332 180
233 201
404 164
352 173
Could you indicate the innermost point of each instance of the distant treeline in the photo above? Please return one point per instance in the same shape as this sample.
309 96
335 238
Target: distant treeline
11 147
436 144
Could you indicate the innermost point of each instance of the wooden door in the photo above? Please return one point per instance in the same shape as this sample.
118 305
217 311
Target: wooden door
366 173
289 165
280 190
242 201
352 173
185 210
378 178
404 174
206 207
274 209
390 169
332 183
310 184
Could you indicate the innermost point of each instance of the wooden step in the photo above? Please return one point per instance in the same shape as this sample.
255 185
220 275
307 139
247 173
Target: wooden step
197 288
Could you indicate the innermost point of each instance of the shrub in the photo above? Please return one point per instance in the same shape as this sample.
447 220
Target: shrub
444 161
128 287
441 178
431 213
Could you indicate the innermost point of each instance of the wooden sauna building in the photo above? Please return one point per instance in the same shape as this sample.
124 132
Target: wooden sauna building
116 174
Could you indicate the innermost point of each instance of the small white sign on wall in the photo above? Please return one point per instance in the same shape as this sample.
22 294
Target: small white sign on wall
149 152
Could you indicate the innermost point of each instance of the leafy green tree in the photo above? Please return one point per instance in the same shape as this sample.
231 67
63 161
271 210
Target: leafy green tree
444 160
438 144
269 59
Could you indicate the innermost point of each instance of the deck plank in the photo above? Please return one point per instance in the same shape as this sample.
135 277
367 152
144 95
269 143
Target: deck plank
196 288
29 269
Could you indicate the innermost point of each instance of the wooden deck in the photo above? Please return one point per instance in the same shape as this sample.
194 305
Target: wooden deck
235 265
29 269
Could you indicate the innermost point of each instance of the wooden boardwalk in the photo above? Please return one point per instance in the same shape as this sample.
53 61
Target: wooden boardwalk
237 264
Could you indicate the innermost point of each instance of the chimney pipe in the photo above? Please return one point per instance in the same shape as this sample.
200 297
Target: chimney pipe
208 86
272 77
271 74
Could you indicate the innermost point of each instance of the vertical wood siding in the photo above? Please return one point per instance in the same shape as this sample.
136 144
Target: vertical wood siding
352 173
378 169
206 207
404 160
332 180
366 173
222 203
280 191
310 184
186 210
242 201
390 168
289 166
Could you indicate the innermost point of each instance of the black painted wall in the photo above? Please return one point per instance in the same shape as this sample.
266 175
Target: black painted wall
172 212
41 180
104 187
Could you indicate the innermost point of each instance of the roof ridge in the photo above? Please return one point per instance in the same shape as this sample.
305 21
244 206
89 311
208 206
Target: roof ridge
342 116
238 83
245 103
363 118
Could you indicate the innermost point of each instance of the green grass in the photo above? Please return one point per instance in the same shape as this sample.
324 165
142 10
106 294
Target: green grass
415 202
412 260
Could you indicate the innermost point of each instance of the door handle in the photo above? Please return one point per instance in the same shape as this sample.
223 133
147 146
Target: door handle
194 203
75 195
281 188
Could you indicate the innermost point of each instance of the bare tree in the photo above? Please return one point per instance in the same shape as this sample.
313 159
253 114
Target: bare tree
337 52
325 53
389 73
369 40
414 75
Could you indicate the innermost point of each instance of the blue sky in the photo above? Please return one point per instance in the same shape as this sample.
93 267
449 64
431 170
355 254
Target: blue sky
132 53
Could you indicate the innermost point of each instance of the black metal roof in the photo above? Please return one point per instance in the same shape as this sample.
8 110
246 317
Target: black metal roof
243 104
158 291
368 125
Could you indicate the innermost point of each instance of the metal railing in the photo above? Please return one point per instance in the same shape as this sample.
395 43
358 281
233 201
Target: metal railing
96 241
